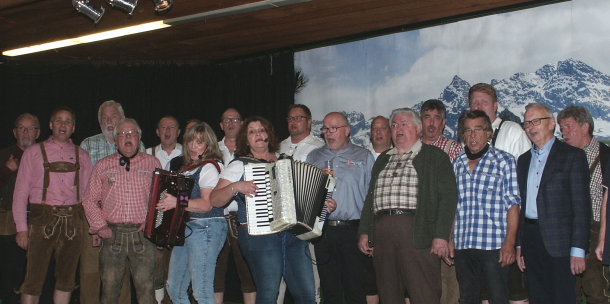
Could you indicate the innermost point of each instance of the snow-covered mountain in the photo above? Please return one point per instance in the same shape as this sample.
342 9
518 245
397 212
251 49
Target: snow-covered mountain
557 85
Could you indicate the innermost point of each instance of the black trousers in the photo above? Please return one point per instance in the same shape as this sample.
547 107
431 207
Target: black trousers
340 266
12 269
549 279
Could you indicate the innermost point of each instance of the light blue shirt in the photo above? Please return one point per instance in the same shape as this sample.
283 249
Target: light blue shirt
537 164
352 170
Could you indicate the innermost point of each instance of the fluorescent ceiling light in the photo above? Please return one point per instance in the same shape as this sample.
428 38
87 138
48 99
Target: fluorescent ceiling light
88 38
230 11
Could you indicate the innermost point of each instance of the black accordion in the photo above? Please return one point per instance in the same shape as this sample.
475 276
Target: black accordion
290 196
167 228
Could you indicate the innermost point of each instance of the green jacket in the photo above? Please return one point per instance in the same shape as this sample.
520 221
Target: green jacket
436 198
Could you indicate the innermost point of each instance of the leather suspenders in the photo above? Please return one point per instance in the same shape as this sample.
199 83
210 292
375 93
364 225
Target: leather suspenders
59 167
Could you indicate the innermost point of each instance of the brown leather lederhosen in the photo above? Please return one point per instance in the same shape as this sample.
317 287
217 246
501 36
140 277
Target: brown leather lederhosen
60 215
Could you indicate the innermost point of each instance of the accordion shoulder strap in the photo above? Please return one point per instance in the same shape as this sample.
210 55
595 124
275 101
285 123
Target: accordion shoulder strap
203 163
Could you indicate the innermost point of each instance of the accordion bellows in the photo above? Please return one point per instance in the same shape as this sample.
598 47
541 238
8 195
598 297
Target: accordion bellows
290 197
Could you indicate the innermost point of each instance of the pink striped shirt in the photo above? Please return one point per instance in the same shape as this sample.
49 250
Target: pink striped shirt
61 191
123 195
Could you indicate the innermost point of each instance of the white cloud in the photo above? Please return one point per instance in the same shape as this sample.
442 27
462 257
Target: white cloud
477 50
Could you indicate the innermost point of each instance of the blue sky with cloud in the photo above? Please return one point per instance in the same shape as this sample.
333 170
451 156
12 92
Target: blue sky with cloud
403 69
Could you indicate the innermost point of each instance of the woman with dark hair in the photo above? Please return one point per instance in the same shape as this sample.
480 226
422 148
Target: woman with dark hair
269 256
195 262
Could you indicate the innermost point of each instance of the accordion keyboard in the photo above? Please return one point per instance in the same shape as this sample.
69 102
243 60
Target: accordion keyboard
259 208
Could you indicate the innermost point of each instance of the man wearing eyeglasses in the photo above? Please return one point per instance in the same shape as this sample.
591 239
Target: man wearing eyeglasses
300 142
298 145
487 215
51 180
100 146
12 268
340 264
507 136
121 183
555 211
230 122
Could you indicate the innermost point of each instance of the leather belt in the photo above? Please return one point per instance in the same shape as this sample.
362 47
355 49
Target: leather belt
348 223
531 221
395 211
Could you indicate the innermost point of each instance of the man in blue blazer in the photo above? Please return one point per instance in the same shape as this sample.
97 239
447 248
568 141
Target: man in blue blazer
555 210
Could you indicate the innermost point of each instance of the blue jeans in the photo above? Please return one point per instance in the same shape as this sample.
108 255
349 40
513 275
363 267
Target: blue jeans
469 263
275 255
196 261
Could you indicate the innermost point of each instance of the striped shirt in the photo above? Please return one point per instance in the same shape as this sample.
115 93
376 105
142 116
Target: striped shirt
484 198
124 195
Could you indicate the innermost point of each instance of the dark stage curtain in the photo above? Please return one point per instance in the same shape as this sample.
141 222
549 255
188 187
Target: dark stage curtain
261 86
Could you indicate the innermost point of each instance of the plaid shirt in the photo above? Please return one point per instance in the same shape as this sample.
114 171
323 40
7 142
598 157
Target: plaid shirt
454 150
484 197
592 151
124 195
397 183
99 147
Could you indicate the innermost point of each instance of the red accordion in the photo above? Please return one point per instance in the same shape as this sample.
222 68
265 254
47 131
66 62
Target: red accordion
167 228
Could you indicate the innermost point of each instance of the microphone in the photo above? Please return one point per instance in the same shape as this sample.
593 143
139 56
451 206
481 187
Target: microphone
202 154
266 139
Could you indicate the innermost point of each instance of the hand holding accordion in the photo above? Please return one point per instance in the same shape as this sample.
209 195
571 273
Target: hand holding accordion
166 228
290 196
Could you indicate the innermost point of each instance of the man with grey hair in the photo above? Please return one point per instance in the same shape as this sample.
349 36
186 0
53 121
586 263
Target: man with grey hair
555 210
341 264
116 204
12 269
100 146
407 215
576 126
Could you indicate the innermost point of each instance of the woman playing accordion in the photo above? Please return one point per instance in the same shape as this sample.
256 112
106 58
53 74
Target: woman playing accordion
272 256
195 262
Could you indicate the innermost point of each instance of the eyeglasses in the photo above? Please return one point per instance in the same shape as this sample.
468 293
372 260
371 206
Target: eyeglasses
330 129
477 131
23 129
296 118
128 134
231 120
533 122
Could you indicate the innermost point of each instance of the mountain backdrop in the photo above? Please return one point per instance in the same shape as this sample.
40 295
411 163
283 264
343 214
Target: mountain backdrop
557 85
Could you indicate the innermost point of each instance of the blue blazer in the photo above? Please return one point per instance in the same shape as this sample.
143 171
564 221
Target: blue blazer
563 202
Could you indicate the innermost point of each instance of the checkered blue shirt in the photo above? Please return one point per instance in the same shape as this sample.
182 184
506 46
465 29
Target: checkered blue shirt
485 195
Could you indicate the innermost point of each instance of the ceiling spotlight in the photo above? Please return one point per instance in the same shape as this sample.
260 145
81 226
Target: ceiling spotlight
127 5
163 5
83 7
